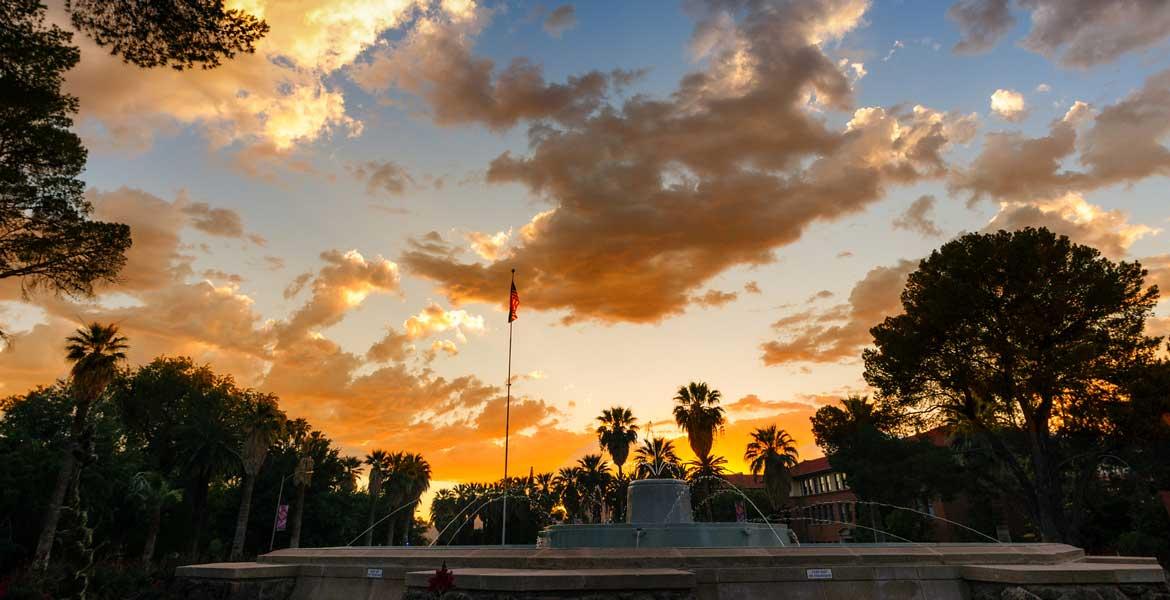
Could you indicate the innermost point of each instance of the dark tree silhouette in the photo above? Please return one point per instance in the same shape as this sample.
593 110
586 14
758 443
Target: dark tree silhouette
1016 334
176 33
46 235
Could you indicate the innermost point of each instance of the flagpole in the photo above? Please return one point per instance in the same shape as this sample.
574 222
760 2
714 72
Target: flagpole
507 415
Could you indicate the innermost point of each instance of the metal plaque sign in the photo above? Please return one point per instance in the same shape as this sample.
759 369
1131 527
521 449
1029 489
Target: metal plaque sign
374 573
819 573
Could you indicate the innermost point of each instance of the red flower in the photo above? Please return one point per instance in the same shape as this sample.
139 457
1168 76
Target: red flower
441 581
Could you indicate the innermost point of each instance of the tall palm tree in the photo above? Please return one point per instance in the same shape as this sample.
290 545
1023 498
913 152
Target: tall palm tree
395 485
657 459
154 492
262 424
351 470
772 451
302 477
417 473
698 413
378 462
95 351
616 432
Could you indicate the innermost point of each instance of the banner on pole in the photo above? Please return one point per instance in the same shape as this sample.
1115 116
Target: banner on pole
282 517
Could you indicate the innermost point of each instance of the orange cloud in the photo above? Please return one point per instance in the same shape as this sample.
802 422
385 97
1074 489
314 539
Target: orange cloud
652 199
839 333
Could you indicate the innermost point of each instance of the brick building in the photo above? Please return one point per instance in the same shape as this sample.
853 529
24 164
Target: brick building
823 509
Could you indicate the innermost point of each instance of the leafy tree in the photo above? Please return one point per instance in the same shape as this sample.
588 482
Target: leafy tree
618 430
1017 333
698 413
154 492
262 422
175 33
657 459
882 467
95 352
46 236
772 451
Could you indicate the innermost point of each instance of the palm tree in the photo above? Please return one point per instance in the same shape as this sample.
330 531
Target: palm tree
351 470
568 488
773 452
154 492
616 432
705 467
701 471
378 462
417 472
262 424
95 352
593 480
657 459
396 485
302 477
698 413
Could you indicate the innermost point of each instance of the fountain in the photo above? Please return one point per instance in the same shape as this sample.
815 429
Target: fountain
661 553
658 515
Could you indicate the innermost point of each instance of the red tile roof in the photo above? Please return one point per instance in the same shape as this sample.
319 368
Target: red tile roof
808 467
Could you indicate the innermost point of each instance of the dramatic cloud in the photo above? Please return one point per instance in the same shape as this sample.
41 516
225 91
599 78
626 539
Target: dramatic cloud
445 346
1008 104
434 319
752 287
344 282
752 403
840 333
1123 143
393 347
489 246
386 177
636 188
1106 230
918 217
1075 33
434 62
560 20
981 23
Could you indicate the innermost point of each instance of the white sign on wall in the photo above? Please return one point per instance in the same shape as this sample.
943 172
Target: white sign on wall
819 573
374 573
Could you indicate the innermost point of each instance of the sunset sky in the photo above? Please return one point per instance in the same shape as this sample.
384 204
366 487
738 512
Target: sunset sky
726 191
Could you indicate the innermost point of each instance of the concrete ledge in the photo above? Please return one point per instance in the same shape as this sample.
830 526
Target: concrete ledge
1122 560
1065 574
238 571
525 580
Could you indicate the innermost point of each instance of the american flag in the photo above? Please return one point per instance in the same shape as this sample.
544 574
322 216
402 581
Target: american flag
513 303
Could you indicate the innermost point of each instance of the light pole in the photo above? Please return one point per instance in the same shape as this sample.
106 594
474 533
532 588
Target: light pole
276 514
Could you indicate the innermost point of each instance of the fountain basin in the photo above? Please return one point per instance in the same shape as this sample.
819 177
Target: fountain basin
658 515
673 535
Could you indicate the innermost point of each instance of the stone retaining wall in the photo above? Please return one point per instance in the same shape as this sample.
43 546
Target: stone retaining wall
1128 591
